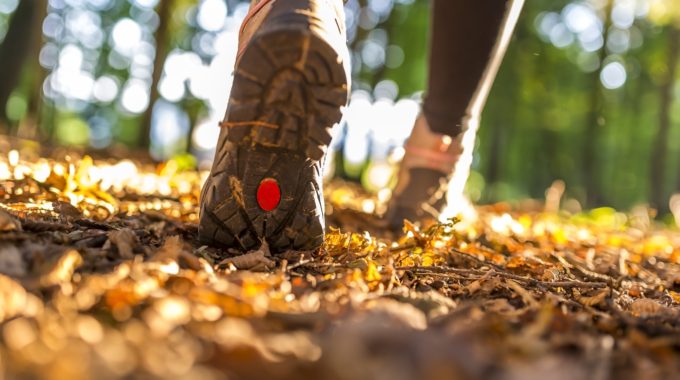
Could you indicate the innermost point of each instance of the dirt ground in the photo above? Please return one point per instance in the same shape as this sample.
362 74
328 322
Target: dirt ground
102 277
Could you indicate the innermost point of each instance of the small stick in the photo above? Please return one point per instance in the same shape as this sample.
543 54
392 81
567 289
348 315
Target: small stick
527 280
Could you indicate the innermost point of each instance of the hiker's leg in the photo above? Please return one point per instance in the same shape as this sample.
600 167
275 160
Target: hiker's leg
469 39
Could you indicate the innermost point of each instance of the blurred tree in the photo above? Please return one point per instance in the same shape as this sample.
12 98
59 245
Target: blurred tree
162 39
29 128
659 197
667 14
595 123
553 113
15 50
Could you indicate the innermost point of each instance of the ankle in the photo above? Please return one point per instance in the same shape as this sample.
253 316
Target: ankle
430 150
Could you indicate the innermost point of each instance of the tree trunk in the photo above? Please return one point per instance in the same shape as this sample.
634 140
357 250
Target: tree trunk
594 123
14 51
29 128
660 147
162 38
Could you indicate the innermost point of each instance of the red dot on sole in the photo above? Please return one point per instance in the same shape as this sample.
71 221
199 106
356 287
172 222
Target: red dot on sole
268 194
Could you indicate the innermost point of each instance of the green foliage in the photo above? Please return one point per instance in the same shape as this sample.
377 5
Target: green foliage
72 130
547 104
405 19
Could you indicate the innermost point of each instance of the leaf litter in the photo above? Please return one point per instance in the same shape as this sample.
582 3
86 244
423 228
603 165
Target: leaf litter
101 276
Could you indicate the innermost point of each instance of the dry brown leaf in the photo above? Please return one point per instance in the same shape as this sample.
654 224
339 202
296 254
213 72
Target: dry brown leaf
398 312
645 307
635 290
527 264
675 296
66 210
551 274
62 269
8 222
412 228
431 303
125 240
255 260
56 181
487 283
174 249
527 297
343 308
170 249
499 306
593 300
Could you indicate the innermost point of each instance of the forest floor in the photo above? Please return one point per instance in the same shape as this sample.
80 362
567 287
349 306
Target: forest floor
102 277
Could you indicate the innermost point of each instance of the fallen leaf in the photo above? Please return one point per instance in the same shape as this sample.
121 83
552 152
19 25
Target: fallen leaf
257 260
675 296
372 273
174 249
412 228
125 240
431 303
527 297
66 210
61 270
595 299
499 306
487 283
645 307
8 222
400 313
170 249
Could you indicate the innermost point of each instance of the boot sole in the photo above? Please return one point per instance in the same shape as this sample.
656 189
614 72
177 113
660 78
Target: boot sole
287 95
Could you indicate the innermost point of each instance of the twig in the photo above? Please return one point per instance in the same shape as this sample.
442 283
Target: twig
298 264
403 248
573 260
526 280
89 223
472 257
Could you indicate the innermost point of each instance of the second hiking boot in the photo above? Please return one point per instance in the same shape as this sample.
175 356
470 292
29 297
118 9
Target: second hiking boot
290 81
424 176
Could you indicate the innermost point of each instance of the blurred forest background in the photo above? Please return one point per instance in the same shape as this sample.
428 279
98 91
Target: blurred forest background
586 94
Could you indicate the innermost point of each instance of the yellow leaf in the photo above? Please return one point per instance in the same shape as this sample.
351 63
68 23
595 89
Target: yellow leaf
372 273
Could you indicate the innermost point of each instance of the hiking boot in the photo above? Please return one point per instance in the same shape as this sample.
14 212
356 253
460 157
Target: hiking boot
424 175
290 81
